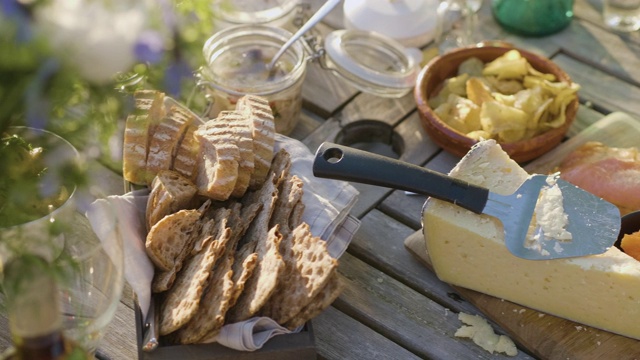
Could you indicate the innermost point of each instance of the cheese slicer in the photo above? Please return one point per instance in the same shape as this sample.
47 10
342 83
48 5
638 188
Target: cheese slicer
593 222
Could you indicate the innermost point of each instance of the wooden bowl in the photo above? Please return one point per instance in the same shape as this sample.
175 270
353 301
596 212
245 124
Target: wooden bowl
445 66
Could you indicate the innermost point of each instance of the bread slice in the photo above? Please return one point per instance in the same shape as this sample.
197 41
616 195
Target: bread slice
308 268
186 160
241 130
170 192
169 236
217 162
165 139
183 299
139 126
257 109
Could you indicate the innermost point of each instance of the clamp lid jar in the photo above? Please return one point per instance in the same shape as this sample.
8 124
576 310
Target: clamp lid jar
372 63
285 14
237 59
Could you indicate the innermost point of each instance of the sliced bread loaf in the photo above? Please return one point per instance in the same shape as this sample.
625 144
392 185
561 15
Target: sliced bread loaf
217 161
138 131
165 139
257 109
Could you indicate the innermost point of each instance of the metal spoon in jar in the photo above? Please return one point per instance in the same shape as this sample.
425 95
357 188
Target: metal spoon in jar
319 15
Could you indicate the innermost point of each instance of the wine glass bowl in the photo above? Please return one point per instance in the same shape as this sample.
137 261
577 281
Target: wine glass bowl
32 211
92 288
88 271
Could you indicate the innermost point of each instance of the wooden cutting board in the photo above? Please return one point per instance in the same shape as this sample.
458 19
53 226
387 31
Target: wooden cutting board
543 335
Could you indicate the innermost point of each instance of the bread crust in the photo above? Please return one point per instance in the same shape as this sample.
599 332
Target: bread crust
217 162
165 139
263 132
139 126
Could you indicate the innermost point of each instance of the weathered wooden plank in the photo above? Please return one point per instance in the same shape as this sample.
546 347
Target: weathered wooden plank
591 11
404 315
338 336
120 336
606 51
607 91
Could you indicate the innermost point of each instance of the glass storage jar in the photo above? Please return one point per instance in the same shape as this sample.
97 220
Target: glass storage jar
286 14
237 59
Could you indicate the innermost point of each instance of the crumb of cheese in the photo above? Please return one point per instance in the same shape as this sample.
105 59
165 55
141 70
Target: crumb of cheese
550 220
479 330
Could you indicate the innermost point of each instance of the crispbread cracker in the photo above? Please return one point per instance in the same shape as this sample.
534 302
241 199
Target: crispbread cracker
243 268
326 297
183 299
257 109
295 218
217 161
263 283
209 316
289 194
266 196
169 236
308 267
163 280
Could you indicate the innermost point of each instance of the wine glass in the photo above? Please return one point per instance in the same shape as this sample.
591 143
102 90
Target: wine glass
456 23
91 290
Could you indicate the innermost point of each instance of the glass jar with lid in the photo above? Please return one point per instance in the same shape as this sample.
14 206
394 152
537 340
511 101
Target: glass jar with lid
237 60
285 14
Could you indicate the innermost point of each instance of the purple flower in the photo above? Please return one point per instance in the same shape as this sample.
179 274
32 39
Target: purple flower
174 75
38 106
149 47
12 10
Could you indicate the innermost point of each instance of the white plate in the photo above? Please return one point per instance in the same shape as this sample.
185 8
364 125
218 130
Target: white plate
617 129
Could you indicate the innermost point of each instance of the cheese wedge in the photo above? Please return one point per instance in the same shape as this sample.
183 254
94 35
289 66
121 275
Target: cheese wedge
468 250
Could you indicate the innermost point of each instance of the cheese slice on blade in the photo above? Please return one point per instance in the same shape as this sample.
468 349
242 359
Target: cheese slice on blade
468 250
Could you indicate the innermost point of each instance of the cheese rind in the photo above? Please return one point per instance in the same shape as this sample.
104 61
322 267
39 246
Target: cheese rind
468 250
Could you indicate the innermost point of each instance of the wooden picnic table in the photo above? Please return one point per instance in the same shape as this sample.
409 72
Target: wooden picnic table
393 306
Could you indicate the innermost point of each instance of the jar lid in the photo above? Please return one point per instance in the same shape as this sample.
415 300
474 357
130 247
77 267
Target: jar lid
411 22
372 62
253 11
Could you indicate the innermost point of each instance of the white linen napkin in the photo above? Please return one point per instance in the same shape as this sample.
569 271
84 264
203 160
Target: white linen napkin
327 205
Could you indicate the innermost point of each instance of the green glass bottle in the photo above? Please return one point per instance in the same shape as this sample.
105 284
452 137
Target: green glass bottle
533 17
